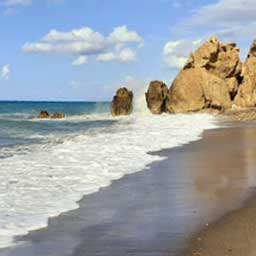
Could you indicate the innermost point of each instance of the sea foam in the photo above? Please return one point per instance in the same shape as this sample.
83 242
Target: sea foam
51 178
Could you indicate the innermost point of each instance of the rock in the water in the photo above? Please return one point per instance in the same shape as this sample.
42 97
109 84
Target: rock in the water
246 96
122 102
209 79
44 114
156 97
57 116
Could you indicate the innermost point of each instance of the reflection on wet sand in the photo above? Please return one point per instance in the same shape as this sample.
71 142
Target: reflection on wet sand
225 169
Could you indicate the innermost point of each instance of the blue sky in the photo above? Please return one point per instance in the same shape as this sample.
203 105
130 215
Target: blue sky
85 49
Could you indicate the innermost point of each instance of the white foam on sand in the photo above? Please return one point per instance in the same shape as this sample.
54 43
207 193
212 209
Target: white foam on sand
51 178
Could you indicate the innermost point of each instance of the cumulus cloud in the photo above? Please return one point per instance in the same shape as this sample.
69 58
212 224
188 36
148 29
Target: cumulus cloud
80 61
176 53
5 72
85 41
123 55
122 35
105 57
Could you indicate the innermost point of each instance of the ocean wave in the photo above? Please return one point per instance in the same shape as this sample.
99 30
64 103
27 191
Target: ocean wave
32 185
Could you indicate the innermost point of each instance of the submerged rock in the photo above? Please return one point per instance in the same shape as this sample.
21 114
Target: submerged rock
57 116
156 97
246 96
122 102
43 114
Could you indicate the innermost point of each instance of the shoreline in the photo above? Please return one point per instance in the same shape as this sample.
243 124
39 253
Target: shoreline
117 207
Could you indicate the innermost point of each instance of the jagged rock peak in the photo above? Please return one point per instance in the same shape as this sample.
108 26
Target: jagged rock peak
221 59
246 96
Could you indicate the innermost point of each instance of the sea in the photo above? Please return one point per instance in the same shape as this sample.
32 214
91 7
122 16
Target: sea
47 166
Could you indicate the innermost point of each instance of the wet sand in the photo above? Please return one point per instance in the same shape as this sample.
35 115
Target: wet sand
156 211
234 235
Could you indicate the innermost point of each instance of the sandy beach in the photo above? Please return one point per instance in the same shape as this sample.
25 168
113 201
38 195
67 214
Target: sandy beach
234 233
157 211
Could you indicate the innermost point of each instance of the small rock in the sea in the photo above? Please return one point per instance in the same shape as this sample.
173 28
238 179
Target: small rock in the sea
57 116
44 114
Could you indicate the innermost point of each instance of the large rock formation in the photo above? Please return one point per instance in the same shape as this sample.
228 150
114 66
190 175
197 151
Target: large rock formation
246 96
122 102
209 79
156 97
221 59
196 89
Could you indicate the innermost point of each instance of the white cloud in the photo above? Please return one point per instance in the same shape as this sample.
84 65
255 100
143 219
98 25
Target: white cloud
17 2
231 20
5 72
80 61
176 53
126 55
225 12
85 41
122 35
123 55
105 57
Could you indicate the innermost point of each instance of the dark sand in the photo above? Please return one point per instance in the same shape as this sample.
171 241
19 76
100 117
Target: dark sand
155 212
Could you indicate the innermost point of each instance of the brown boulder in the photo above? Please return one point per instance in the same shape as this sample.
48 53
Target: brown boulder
43 114
209 79
57 116
217 58
186 93
122 102
246 96
156 97
196 89
216 91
